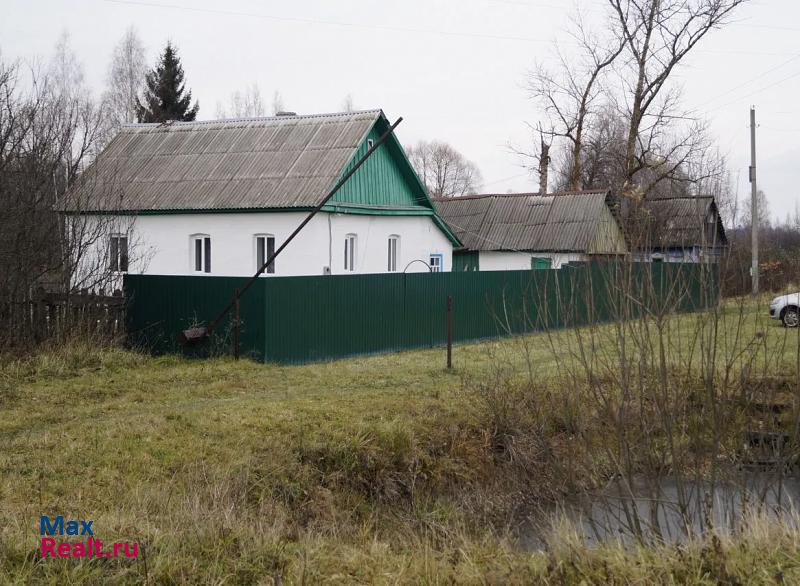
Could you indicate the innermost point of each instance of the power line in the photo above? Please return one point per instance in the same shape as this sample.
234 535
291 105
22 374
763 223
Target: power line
773 129
526 174
751 80
217 11
739 23
330 22
393 28
758 91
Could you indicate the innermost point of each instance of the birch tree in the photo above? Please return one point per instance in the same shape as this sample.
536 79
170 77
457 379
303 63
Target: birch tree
443 170
125 81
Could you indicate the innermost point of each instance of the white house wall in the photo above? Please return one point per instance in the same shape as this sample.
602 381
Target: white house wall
162 244
518 261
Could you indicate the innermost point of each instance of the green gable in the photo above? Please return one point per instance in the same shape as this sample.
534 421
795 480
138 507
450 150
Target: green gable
386 184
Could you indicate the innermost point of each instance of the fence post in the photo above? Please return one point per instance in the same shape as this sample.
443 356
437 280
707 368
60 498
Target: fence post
236 326
449 331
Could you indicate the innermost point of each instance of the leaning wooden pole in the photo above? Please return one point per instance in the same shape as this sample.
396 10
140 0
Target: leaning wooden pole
197 334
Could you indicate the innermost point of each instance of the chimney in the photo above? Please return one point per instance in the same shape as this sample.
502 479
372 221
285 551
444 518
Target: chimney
544 163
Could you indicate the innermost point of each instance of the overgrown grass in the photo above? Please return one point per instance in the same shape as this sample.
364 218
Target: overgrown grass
378 470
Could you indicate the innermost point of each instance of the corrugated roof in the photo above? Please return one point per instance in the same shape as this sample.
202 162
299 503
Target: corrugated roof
560 222
684 221
275 162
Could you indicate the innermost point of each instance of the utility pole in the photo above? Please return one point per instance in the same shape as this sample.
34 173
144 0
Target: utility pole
754 212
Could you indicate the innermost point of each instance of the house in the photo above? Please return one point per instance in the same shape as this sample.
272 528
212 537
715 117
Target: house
681 229
218 197
528 230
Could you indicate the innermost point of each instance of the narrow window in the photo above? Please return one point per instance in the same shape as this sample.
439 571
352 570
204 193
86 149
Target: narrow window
270 252
370 142
118 253
265 248
436 263
202 253
261 248
198 254
394 243
350 253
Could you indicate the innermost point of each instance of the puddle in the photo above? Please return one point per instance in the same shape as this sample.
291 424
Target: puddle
671 509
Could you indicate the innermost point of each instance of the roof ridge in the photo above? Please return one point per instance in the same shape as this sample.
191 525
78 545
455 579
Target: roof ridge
522 194
172 123
678 197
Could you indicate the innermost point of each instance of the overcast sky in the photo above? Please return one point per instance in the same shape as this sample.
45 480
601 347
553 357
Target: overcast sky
454 69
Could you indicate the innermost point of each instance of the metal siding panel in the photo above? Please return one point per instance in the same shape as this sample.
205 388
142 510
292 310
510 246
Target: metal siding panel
301 319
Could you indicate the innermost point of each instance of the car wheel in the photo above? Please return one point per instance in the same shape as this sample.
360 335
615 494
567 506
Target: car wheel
791 317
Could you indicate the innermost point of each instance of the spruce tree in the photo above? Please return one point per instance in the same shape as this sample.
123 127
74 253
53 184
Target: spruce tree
165 95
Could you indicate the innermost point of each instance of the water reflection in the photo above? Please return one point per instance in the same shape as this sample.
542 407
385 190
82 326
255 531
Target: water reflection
672 509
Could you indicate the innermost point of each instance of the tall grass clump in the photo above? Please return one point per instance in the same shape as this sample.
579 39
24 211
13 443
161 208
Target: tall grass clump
673 421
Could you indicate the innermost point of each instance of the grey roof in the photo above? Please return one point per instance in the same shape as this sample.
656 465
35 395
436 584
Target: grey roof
684 221
562 222
276 162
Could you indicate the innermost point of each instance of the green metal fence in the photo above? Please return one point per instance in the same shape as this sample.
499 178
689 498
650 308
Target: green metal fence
302 319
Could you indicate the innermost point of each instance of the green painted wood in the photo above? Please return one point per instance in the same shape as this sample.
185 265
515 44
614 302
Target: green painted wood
538 263
466 260
385 179
386 184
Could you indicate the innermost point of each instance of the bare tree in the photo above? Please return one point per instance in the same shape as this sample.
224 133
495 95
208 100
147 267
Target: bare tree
601 155
347 104
50 130
658 35
243 104
763 212
568 95
277 103
126 75
443 170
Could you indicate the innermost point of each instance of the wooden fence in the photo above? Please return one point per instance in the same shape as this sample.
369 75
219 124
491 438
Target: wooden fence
45 316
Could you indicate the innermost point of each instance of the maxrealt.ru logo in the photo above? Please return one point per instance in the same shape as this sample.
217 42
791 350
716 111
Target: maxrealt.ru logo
92 547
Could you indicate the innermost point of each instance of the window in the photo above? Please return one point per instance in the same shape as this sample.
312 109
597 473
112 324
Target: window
202 253
118 253
394 243
370 142
436 263
350 252
265 248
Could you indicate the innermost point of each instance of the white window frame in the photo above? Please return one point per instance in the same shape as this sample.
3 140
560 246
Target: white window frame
436 267
266 252
350 252
206 253
115 263
393 253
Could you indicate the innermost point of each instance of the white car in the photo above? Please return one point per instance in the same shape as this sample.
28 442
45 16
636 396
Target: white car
787 309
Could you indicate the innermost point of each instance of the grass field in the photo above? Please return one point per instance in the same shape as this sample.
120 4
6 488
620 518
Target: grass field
384 469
